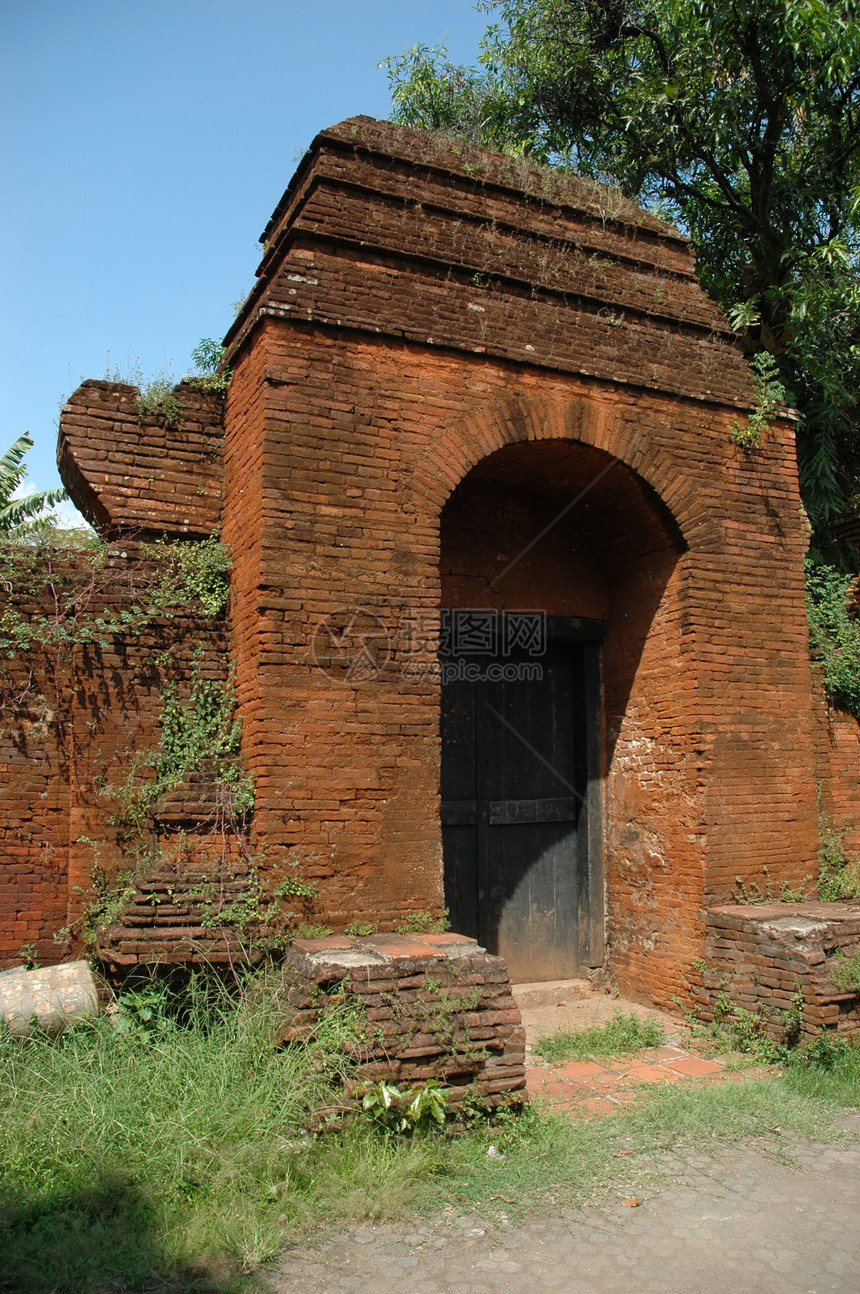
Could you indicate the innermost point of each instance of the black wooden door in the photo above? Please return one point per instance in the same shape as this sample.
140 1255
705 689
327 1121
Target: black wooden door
514 783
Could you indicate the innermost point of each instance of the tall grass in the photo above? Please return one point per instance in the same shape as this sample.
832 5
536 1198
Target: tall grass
139 1144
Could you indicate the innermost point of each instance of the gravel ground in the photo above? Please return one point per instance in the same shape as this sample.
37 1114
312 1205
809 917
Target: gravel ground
736 1220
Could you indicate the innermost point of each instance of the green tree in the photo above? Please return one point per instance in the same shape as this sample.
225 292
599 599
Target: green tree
19 517
737 119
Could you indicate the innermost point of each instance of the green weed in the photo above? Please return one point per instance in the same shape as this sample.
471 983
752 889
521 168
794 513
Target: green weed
620 1036
27 956
157 1140
158 396
838 875
752 892
768 1038
834 629
311 930
209 371
845 970
359 929
422 922
770 393
826 1067
397 1112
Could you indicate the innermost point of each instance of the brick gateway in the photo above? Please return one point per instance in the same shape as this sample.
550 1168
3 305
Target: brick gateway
464 385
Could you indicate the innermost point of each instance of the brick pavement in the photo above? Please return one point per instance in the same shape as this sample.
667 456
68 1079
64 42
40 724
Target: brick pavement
602 1085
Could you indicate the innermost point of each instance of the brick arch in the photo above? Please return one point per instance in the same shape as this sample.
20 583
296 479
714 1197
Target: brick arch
607 570
514 419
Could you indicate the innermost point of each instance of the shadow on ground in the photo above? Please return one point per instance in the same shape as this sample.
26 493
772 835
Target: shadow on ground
91 1242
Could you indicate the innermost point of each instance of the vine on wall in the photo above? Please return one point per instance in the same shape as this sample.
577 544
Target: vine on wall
200 735
185 803
229 900
61 591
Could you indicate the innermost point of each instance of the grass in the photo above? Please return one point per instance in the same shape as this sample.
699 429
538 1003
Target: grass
621 1036
154 1148
139 1143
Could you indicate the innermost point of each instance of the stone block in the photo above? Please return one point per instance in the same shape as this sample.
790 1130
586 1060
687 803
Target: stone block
50 998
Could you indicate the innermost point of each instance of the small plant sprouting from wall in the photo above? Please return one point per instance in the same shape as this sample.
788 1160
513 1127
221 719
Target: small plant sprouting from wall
102 904
158 396
359 929
751 892
770 1036
845 970
209 371
423 923
838 875
771 396
258 913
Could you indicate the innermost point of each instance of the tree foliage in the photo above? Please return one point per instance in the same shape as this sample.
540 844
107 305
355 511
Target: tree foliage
19 517
737 119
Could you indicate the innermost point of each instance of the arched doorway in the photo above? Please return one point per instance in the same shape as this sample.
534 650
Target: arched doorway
543 622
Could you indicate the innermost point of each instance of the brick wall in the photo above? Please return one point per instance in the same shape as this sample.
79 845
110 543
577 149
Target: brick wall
838 769
444 351
709 766
74 718
128 470
34 809
844 785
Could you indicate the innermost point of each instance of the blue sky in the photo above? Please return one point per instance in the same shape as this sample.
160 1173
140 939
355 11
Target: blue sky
145 144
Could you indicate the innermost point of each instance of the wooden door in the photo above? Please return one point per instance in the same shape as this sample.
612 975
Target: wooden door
515 780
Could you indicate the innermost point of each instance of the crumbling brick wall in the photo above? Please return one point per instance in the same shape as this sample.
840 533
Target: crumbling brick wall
34 805
776 961
432 1007
136 471
79 709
